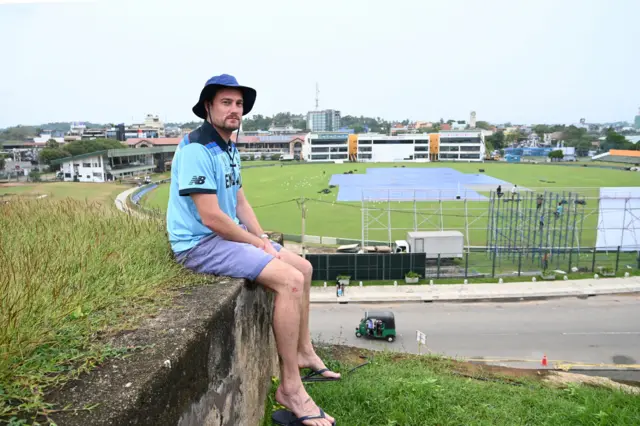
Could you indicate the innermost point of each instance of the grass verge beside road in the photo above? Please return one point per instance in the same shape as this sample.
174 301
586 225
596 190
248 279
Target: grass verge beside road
73 273
407 390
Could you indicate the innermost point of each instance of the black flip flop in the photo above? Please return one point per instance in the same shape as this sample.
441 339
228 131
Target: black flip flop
311 376
287 418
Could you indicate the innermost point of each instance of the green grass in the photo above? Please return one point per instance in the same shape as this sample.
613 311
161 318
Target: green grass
273 190
157 199
103 192
72 272
412 390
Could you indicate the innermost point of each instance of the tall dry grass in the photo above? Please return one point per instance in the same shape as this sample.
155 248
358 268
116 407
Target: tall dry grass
69 272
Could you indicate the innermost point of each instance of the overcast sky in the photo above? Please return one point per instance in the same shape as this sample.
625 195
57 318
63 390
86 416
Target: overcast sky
542 61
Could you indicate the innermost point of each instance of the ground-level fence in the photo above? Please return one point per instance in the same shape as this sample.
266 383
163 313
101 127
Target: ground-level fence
472 263
366 267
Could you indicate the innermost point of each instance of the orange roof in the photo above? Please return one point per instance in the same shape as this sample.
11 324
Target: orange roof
243 139
624 152
154 141
258 139
249 139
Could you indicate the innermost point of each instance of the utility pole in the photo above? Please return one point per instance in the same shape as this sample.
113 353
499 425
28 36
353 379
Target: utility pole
304 214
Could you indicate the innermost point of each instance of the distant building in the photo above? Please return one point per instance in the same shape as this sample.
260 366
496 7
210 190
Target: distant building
323 121
374 147
113 164
412 147
253 146
326 146
152 142
45 137
461 146
636 122
286 130
268 145
423 125
152 127
619 156
633 139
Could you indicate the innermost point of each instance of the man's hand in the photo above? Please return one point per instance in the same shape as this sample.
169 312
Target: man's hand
269 248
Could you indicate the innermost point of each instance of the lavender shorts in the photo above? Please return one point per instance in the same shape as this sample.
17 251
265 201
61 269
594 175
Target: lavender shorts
217 256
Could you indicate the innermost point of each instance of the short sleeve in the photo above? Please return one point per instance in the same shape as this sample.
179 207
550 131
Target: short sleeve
196 173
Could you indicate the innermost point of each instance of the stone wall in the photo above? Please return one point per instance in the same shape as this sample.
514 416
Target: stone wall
211 363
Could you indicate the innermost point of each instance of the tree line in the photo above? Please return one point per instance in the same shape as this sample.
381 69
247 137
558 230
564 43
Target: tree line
53 150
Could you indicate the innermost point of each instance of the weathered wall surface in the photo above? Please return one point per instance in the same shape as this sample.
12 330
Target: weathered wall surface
211 364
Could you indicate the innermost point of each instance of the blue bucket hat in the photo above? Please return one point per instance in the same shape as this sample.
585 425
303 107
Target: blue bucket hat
217 82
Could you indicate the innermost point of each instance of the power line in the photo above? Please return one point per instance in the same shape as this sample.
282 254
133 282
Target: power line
275 203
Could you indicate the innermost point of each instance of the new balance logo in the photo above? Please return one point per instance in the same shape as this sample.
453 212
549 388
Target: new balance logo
197 180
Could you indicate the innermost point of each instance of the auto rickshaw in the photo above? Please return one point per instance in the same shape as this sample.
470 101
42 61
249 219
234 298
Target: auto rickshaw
377 325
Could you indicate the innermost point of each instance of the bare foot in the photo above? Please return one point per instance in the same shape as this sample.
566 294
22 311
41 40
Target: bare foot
300 403
313 361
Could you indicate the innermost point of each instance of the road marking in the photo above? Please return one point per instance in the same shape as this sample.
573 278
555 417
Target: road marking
594 333
497 334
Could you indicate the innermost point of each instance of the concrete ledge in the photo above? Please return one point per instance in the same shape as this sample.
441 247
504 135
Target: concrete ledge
211 363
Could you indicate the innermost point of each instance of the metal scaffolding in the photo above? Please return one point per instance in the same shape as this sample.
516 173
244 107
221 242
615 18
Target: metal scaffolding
513 228
383 212
528 225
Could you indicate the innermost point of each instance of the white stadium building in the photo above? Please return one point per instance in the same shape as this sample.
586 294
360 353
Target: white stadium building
377 148
326 146
461 146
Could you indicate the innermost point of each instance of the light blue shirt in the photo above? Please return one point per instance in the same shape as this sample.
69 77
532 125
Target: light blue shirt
202 164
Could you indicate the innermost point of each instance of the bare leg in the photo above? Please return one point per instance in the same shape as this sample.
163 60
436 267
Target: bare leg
288 283
306 354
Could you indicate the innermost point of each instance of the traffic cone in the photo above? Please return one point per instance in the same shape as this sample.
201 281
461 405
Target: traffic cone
544 360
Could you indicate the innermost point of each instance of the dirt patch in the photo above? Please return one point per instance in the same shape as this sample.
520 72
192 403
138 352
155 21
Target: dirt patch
348 354
10 184
481 371
494 373
297 248
562 379
353 355
628 383
473 370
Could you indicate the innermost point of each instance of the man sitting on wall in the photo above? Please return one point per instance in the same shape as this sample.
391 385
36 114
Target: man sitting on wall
213 230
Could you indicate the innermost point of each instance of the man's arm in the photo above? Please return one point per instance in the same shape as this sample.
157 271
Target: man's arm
220 223
197 179
247 216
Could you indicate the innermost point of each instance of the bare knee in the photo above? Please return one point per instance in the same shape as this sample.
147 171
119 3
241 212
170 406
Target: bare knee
293 283
282 278
306 269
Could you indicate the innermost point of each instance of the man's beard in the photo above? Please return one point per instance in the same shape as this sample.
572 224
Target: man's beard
225 125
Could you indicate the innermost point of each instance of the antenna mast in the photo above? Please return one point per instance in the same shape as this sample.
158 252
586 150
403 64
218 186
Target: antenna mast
317 96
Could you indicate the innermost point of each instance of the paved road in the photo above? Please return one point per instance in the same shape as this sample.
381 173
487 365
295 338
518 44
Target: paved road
121 202
603 329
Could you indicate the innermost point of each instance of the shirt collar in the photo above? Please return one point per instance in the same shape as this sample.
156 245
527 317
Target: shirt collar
210 134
